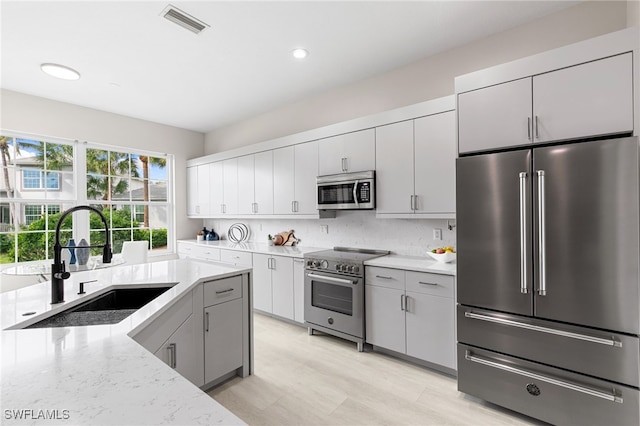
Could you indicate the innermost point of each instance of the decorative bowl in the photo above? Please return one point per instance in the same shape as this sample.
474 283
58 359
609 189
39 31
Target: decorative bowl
443 257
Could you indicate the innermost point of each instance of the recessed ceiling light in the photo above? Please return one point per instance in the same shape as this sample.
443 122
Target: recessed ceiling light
60 71
299 53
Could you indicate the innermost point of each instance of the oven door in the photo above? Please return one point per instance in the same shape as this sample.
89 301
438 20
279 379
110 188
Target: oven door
334 301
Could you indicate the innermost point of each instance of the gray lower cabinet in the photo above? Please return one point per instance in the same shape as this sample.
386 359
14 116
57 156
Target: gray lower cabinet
412 313
223 327
178 352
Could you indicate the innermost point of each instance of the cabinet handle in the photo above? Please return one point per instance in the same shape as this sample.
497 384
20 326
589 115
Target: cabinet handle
173 362
293 207
422 282
297 207
224 291
197 209
529 128
536 134
411 203
345 165
402 302
406 303
415 202
224 208
271 263
206 322
383 277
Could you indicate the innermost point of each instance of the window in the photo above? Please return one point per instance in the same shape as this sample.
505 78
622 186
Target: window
39 179
42 178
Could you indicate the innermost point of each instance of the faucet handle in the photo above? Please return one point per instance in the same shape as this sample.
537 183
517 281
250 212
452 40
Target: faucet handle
62 274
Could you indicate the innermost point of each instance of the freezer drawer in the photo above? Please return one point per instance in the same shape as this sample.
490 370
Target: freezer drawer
607 355
546 393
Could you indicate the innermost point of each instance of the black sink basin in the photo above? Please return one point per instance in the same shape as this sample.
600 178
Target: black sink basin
108 308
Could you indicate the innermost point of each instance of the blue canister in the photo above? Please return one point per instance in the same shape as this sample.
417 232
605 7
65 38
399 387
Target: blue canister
212 236
72 243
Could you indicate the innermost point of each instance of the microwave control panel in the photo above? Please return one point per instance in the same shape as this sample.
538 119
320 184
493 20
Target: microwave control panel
364 192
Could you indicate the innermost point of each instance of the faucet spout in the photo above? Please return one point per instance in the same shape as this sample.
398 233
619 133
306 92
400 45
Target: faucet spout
58 269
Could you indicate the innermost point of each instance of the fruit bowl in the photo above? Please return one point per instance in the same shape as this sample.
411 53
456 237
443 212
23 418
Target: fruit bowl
443 257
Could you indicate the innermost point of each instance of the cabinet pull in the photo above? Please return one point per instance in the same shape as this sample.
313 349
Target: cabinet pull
297 207
529 128
433 284
383 277
536 134
197 209
293 207
206 322
173 362
224 208
224 291
402 302
469 356
411 203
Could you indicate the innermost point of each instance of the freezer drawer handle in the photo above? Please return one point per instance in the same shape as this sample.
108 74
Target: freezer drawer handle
609 397
523 233
503 321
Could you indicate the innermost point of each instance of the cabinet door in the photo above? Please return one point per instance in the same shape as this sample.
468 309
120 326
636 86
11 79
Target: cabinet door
431 328
230 182
495 117
216 177
360 150
262 292
394 168
263 182
306 171
222 339
203 189
591 99
282 286
298 290
435 163
284 180
246 180
330 156
193 209
385 325
178 352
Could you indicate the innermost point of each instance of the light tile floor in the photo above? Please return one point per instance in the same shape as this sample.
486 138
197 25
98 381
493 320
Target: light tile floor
322 380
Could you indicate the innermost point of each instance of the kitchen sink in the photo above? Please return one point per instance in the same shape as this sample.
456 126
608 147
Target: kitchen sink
107 308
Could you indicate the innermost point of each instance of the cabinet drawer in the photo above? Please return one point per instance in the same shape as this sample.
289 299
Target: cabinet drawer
384 277
433 284
155 334
546 393
223 290
198 252
241 258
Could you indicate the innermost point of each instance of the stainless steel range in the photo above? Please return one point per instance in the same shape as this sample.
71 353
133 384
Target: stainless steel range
334 292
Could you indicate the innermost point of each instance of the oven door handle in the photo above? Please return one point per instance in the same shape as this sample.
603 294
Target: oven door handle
332 279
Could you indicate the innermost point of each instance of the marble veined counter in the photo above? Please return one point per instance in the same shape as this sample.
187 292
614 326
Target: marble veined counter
254 247
413 263
97 374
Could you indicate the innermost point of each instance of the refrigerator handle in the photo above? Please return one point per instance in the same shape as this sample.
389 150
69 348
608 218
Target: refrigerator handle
524 288
542 288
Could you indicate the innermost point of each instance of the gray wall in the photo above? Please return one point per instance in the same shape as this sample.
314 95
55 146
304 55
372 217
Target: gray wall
429 78
45 117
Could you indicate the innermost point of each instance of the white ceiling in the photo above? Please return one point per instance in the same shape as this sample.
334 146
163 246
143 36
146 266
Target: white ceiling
134 62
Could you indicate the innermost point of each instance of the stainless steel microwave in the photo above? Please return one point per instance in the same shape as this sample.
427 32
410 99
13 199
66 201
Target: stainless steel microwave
347 191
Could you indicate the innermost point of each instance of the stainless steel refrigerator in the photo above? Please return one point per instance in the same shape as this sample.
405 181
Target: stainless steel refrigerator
548 280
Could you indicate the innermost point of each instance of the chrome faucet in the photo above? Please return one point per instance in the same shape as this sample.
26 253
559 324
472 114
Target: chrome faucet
58 268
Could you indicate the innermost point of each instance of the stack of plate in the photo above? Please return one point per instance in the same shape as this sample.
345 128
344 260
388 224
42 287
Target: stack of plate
238 232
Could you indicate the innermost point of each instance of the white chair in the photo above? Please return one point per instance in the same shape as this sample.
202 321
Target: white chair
134 252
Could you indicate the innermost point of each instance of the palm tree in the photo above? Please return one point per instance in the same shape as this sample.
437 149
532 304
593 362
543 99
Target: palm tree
103 167
145 160
6 160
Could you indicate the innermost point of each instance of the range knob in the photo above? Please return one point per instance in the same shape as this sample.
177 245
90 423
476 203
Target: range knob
309 263
339 267
356 269
324 264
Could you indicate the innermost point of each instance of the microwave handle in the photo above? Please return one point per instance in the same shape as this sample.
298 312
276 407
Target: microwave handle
355 192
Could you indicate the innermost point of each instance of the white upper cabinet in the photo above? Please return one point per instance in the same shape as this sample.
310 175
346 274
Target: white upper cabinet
586 100
435 164
295 169
216 186
230 183
495 117
246 184
591 99
198 190
349 152
263 182
306 171
415 167
394 168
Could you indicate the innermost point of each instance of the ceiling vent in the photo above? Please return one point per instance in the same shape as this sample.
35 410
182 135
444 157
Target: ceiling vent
185 20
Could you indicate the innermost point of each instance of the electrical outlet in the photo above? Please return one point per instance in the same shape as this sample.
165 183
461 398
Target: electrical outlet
324 229
437 233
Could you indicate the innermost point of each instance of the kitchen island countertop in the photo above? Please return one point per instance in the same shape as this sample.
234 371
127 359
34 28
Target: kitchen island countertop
98 374
413 263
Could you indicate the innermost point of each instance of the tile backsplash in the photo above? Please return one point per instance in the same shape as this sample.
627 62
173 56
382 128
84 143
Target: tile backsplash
411 237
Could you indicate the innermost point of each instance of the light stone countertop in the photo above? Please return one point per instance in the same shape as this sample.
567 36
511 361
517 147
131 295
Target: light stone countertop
413 263
255 247
98 374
